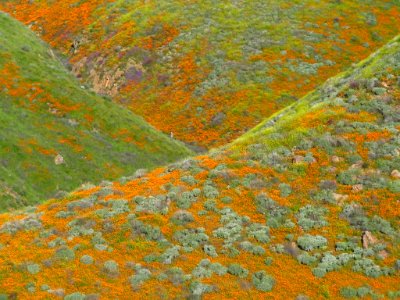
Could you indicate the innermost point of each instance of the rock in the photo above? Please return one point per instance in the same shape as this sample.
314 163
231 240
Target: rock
383 254
340 198
140 173
53 111
397 265
357 165
336 159
368 239
331 170
218 119
357 188
292 249
328 185
395 174
297 159
58 160
57 292
73 122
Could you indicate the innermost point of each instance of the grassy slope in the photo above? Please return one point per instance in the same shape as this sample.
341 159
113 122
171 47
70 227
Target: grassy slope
209 71
325 167
284 128
45 112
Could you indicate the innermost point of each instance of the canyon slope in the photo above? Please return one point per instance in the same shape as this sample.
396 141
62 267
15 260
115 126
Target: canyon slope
208 71
304 206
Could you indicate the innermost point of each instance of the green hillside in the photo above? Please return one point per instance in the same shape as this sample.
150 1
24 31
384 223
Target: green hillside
44 112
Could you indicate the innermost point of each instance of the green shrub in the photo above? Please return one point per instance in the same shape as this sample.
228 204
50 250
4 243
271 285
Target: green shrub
170 254
146 230
75 296
348 292
268 261
394 294
64 214
210 250
311 242
182 217
33 268
262 281
210 205
191 238
198 289
218 269
56 242
189 180
232 226
111 267
65 253
324 196
202 270
368 267
394 186
176 276
86 259
151 204
31 287
226 200
141 276
306 259
186 199
285 189
310 217
348 177
319 272
274 212
82 204
31 222
210 192
356 217
254 249
237 270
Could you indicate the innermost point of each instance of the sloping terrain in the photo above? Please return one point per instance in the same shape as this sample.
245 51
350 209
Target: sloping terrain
302 207
208 71
55 135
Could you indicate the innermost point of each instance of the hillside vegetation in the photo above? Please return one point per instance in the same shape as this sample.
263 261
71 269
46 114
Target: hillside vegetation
208 71
56 135
304 206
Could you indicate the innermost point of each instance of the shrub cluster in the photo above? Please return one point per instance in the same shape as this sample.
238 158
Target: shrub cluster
311 242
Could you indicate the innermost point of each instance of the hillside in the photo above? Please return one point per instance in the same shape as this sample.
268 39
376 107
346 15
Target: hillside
302 207
45 114
208 71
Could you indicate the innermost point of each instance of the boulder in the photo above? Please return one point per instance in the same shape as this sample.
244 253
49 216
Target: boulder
395 174
297 159
340 198
368 240
336 159
357 188
58 160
